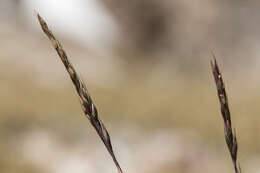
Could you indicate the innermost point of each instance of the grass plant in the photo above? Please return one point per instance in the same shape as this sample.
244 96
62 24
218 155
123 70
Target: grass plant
91 112
87 104
230 135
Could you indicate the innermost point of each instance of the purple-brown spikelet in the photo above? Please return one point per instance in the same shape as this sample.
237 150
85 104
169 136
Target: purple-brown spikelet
230 135
87 104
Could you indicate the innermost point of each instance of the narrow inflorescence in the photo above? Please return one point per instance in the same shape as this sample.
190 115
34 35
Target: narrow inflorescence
230 135
88 106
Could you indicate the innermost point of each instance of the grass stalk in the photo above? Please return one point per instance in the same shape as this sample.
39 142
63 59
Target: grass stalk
230 135
87 104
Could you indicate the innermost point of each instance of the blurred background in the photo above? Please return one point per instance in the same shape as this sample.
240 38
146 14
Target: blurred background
146 65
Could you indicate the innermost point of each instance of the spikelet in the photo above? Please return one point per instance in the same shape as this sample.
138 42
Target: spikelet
230 135
87 104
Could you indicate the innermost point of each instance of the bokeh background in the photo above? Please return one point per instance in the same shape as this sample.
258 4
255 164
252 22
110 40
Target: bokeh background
146 65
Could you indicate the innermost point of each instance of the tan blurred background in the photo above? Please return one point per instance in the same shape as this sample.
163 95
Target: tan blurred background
146 65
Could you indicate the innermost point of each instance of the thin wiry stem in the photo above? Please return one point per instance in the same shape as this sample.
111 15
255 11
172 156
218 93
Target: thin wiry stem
230 135
88 106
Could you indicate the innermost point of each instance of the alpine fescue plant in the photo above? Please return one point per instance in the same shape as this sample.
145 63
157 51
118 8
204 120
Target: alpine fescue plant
87 104
230 135
91 112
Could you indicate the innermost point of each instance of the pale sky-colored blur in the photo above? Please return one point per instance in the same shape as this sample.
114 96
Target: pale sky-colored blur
80 20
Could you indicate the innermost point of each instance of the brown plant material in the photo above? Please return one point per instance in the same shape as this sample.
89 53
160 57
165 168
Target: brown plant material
230 135
88 106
